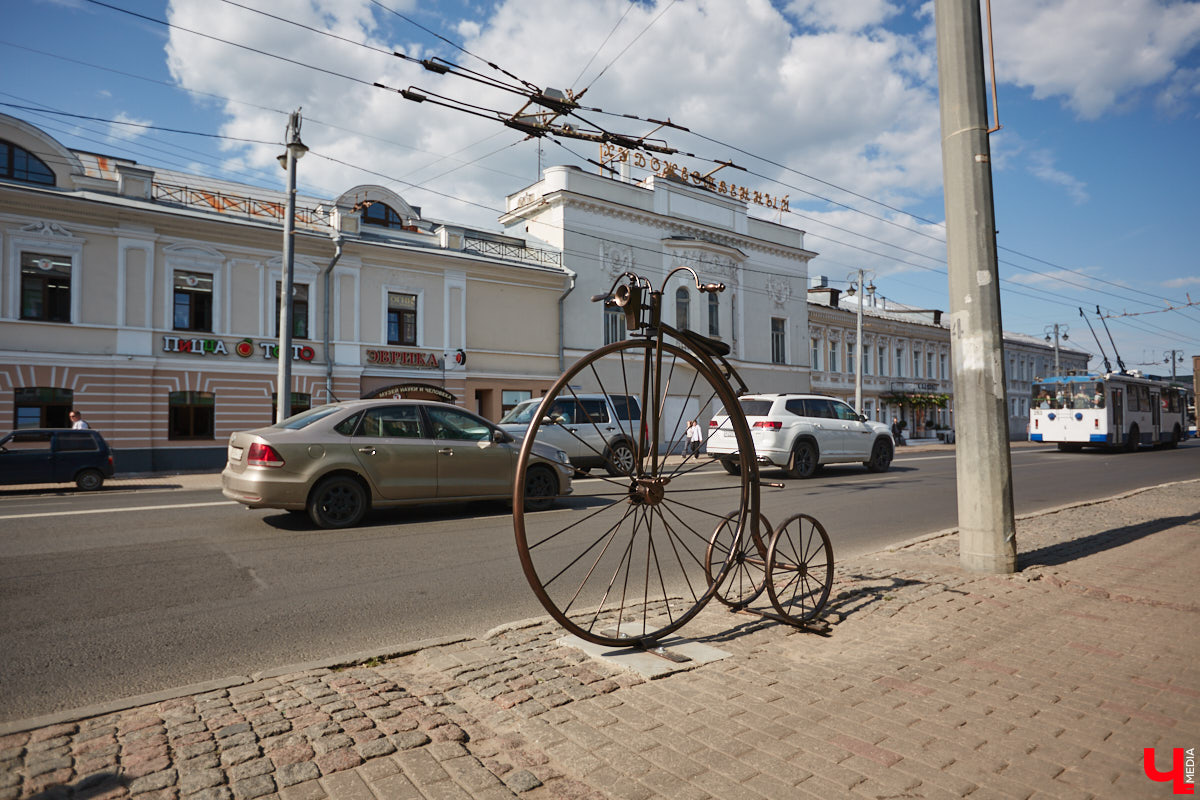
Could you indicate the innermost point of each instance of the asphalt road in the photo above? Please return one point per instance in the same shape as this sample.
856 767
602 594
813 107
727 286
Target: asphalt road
130 590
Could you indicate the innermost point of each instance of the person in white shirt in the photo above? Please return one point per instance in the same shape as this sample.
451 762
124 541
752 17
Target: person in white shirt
77 421
695 435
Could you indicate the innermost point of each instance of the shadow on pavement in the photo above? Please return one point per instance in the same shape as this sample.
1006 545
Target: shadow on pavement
868 590
1064 552
99 784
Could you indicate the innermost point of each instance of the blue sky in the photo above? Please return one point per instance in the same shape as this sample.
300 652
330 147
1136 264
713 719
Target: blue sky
1095 168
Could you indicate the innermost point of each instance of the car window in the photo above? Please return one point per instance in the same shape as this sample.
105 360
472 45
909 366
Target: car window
521 413
755 408
33 440
451 424
346 427
77 440
820 408
392 422
845 412
306 418
594 411
626 407
796 407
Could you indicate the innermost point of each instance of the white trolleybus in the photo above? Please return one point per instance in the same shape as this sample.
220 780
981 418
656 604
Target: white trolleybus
1113 410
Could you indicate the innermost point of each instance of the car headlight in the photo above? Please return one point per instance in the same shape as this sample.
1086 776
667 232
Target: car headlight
561 455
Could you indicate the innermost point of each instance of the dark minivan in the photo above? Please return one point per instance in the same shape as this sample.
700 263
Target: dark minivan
55 455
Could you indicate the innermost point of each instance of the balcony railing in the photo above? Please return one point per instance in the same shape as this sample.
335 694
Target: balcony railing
237 205
513 252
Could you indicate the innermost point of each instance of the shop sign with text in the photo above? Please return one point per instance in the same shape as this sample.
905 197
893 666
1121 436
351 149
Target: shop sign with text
402 358
243 347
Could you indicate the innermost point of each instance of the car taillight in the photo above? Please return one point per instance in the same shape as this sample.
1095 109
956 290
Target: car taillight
263 455
712 423
768 424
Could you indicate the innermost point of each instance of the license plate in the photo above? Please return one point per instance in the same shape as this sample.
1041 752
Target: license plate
235 453
728 434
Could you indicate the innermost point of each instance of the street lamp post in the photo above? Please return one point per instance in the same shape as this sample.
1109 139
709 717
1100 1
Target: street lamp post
294 152
1059 331
858 339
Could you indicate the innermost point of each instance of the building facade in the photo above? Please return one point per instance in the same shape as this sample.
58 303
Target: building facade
148 299
605 227
907 369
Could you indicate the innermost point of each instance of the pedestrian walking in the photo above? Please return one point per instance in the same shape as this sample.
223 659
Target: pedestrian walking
77 420
694 436
898 431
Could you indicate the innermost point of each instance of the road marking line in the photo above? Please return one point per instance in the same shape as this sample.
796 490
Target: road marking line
113 510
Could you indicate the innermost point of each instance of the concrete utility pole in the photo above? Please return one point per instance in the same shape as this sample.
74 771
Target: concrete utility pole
987 539
283 385
1056 329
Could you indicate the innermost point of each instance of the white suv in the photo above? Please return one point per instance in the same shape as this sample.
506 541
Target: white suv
801 432
594 430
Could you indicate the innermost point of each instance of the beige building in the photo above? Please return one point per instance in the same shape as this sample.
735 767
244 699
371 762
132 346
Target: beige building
148 299
907 368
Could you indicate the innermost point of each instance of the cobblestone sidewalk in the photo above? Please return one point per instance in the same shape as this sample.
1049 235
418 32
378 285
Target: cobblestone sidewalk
931 683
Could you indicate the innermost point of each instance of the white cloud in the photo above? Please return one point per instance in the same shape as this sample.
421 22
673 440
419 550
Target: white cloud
1093 53
841 15
1041 164
119 132
1180 283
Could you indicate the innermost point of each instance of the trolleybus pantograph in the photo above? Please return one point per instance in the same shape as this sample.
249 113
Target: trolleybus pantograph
1113 410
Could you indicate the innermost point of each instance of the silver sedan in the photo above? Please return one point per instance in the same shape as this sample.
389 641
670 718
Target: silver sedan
337 461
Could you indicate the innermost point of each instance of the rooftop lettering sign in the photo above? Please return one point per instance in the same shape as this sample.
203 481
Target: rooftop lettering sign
669 169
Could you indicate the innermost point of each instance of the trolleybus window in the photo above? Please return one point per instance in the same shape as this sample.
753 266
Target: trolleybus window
1075 394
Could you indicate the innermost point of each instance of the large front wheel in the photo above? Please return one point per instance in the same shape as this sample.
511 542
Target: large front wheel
621 561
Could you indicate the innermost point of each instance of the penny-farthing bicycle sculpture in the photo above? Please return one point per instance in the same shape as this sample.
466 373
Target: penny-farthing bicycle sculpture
626 560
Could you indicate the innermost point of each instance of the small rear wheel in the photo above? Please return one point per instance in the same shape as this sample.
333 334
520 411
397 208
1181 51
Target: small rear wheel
744 578
802 463
89 480
799 568
337 502
881 457
732 467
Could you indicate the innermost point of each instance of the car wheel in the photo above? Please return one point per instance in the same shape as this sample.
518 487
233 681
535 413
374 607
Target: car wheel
1134 440
802 463
731 467
881 457
620 460
89 480
541 487
337 502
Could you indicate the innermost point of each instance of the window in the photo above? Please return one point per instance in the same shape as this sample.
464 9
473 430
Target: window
392 422
614 324
381 214
683 307
401 318
883 370
193 301
41 407
816 353
845 412
714 315
866 359
929 364
916 363
833 356
899 361
511 398
778 340
300 402
192 415
18 164
77 441
824 409
299 309
45 287
850 358
449 423
942 373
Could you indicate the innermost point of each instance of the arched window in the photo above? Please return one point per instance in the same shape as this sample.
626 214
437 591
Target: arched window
18 164
383 215
714 315
683 304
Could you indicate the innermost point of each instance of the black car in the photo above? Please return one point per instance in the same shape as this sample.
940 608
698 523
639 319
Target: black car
55 455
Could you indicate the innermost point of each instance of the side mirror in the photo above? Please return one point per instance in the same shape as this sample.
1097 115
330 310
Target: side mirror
501 437
548 420
863 418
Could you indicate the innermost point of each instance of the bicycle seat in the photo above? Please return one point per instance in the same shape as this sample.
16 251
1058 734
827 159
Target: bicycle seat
705 344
